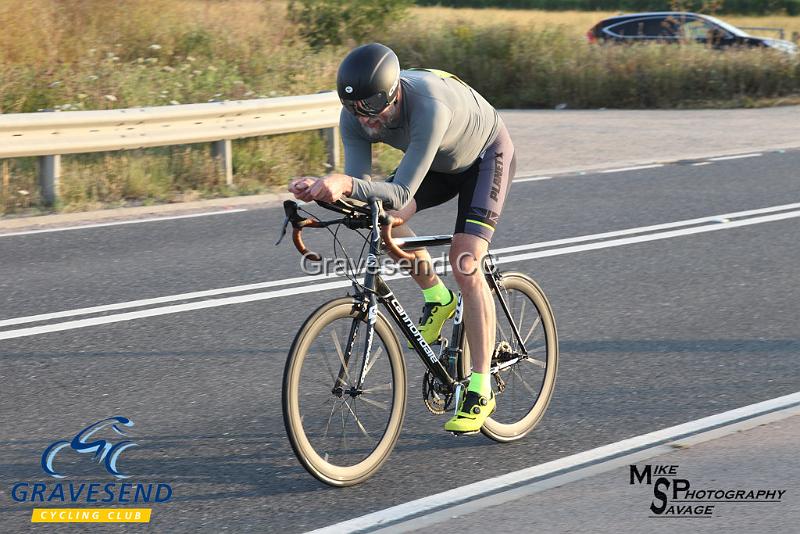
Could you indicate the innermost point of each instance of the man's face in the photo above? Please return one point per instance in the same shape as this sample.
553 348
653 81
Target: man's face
374 125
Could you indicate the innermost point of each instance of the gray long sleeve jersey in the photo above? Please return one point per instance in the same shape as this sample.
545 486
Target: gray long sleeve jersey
443 126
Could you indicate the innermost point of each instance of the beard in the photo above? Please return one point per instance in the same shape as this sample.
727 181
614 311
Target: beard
372 132
375 132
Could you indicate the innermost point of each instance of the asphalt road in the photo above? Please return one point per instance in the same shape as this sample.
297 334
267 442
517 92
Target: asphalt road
652 334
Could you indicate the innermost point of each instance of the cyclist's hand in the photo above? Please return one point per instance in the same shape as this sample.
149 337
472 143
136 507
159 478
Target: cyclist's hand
299 187
331 188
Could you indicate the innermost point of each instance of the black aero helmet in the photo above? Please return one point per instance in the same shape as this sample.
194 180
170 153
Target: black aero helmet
368 79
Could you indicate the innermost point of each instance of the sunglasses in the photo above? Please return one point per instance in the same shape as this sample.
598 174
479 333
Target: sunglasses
367 107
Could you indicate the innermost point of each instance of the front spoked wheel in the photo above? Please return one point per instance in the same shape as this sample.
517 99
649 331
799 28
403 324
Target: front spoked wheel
523 384
341 431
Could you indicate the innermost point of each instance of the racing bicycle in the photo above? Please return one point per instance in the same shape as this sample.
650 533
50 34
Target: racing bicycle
344 384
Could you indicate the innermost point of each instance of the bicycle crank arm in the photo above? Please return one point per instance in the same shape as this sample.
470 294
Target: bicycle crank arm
503 365
509 363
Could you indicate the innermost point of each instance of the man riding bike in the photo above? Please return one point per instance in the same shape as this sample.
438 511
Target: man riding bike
454 143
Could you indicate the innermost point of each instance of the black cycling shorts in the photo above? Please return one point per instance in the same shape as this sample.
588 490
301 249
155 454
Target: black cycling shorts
481 189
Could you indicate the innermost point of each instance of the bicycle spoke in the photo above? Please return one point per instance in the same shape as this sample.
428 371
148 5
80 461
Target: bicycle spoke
381 405
525 384
344 430
321 383
325 358
340 354
358 422
502 333
372 362
535 324
534 361
327 426
382 387
538 348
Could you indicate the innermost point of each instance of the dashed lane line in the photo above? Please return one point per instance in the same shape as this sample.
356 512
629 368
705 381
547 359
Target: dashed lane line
253 297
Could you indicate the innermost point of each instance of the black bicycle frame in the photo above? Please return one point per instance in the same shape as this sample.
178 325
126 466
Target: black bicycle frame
376 291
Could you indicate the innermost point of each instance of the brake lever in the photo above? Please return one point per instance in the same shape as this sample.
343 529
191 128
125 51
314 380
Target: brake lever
283 230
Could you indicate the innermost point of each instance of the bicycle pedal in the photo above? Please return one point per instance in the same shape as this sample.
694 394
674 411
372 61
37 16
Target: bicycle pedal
471 433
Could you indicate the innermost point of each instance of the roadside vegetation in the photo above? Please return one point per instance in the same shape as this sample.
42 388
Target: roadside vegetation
727 7
70 55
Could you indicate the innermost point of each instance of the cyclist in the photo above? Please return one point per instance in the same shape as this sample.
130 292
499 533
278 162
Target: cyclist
454 143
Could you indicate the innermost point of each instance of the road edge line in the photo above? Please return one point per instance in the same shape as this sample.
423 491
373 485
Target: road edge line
659 439
445 514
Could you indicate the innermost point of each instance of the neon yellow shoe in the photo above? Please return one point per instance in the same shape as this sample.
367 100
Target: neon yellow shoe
434 314
472 413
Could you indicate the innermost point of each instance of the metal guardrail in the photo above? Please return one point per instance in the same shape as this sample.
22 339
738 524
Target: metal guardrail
50 135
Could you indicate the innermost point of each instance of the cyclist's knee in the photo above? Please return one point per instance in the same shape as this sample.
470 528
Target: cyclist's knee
405 213
466 254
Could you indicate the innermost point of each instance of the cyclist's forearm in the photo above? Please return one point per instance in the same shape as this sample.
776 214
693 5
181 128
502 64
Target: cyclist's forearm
394 195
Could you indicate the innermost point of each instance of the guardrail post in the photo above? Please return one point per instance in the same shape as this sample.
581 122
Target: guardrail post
49 175
332 146
796 37
6 178
222 151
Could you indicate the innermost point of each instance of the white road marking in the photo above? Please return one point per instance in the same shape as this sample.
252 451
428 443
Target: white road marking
166 310
649 237
532 179
638 168
546 470
530 176
301 279
738 156
652 228
161 300
239 210
211 303
118 223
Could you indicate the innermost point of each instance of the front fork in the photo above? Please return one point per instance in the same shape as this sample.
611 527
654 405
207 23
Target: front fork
369 300
365 307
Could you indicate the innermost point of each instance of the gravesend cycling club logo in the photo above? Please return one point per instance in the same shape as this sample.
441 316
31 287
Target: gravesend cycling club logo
676 497
104 451
102 442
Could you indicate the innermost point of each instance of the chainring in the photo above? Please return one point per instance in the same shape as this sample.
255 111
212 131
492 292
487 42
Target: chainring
437 403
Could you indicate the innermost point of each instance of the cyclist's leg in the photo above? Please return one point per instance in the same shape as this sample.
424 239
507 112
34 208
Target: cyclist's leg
420 268
480 205
440 302
434 190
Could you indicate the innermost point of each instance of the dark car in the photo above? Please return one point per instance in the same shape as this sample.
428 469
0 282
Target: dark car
676 26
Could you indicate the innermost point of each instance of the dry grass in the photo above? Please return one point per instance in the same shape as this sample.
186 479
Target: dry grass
97 54
573 22
64 31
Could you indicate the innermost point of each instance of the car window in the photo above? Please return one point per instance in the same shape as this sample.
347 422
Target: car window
724 25
700 29
652 27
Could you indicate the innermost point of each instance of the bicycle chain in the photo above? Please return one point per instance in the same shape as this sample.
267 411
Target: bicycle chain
435 401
